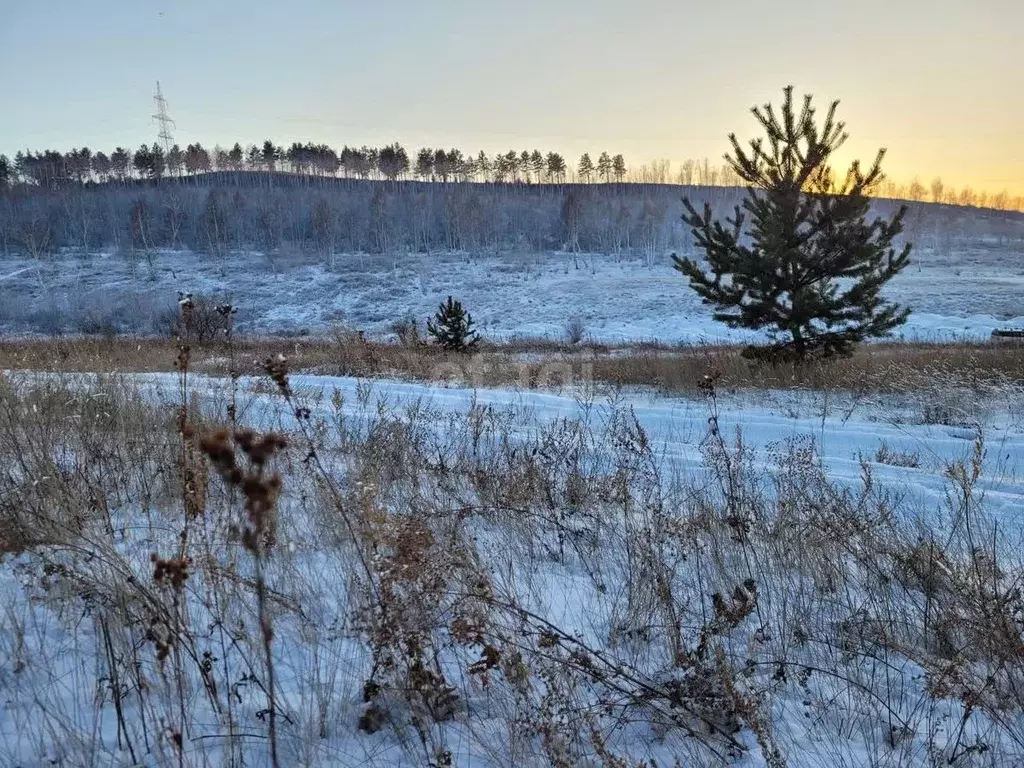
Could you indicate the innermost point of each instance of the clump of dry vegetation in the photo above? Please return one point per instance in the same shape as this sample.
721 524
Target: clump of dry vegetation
943 372
897 458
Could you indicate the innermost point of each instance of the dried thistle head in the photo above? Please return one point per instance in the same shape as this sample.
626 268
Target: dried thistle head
173 572
184 355
219 450
258 449
227 314
277 369
709 381
159 634
259 489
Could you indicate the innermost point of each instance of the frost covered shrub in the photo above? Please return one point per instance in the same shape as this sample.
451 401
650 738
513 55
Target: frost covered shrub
98 324
202 323
407 330
895 458
575 330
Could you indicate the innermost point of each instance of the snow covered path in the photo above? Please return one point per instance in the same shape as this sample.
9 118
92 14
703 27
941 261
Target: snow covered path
843 432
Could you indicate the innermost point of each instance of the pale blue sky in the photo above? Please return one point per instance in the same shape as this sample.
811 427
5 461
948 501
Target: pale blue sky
939 82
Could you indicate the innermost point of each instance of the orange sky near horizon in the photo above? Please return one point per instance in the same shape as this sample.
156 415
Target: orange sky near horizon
940 83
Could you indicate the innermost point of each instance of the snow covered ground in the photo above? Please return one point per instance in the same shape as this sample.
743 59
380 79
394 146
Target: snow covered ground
845 431
821 723
959 290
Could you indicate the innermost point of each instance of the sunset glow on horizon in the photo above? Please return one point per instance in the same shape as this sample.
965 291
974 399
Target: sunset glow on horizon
939 83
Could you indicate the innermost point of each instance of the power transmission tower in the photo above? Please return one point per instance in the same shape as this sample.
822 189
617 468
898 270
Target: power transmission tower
163 120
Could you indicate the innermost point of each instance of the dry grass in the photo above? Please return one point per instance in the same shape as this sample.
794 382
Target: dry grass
368 582
873 367
343 353
530 363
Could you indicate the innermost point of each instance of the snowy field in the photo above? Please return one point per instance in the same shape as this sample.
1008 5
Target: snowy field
843 428
584 576
413 449
961 290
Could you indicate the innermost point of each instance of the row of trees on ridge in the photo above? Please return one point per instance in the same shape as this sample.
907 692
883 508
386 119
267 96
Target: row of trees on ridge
54 169
51 168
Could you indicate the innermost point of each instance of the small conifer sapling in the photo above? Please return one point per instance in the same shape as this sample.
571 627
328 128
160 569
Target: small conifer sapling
452 327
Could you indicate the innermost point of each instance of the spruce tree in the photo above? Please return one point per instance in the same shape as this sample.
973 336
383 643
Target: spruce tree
158 161
452 327
270 155
810 266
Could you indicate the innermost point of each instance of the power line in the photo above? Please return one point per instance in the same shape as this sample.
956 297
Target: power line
163 120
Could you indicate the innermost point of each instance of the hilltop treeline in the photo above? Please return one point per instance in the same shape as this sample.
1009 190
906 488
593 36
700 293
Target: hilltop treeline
52 168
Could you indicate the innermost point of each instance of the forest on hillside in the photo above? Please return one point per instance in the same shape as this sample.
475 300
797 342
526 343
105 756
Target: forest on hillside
269 211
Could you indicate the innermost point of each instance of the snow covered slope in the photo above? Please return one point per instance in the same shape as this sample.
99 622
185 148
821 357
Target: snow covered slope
956 291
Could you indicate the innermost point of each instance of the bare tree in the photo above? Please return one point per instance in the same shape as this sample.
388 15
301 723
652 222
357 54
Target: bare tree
34 229
175 205
572 212
916 192
80 213
686 172
213 223
141 233
380 221
323 227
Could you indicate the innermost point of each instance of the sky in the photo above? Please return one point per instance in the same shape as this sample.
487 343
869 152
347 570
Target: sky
939 83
